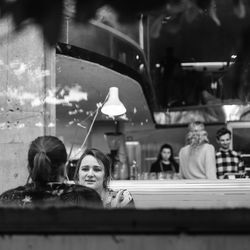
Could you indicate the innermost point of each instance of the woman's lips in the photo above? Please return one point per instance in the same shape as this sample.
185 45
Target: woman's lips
90 181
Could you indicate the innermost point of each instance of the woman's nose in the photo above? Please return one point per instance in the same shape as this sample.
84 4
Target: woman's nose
90 172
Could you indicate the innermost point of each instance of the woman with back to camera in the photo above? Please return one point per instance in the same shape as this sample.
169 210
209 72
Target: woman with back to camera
47 157
94 170
165 161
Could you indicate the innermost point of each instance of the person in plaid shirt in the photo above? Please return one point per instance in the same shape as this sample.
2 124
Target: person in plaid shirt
227 160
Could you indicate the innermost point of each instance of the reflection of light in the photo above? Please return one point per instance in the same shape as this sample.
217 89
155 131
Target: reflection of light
20 125
203 66
39 124
73 112
233 56
75 94
20 68
2 125
137 57
124 117
141 67
232 112
51 125
132 143
36 102
161 118
157 65
80 125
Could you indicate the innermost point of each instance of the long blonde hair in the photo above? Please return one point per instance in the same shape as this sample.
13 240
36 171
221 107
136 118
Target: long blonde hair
197 135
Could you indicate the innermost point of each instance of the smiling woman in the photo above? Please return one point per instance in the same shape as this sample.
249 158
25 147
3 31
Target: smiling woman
94 171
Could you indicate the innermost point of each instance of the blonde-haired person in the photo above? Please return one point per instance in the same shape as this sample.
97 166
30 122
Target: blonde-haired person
197 158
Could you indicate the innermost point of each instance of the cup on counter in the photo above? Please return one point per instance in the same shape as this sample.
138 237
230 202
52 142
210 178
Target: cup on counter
153 176
169 175
145 176
162 176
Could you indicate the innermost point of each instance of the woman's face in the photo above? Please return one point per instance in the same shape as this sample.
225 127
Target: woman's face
165 154
91 173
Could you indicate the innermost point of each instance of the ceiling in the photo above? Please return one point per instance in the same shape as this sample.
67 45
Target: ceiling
201 39
204 39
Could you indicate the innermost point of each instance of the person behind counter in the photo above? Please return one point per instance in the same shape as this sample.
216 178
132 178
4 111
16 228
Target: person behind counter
94 170
165 161
227 161
47 157
197 159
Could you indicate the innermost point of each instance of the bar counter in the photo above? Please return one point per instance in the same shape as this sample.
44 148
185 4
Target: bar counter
188 193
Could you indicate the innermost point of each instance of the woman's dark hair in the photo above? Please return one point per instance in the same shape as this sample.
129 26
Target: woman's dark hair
47 156
171 158
101 157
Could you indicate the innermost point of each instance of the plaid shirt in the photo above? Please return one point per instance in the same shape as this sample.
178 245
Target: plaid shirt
228 162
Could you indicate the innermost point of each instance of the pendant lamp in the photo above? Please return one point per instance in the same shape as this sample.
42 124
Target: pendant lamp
113 106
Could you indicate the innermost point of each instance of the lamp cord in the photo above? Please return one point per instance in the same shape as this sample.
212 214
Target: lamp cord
90 128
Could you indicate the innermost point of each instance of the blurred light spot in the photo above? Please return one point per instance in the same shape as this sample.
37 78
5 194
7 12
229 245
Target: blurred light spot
141 67
73 112
20 125
124 117
51 125
80 125
36 102
39 124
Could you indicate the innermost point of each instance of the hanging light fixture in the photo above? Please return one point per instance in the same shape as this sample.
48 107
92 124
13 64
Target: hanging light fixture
113 106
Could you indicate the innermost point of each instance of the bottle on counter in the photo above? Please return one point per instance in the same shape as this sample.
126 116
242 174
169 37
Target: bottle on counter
133 171
117 170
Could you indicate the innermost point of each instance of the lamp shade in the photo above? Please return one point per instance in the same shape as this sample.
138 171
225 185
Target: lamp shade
113 106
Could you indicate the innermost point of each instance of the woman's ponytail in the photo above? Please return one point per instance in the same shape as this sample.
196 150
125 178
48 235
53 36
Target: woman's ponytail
41 171
47 157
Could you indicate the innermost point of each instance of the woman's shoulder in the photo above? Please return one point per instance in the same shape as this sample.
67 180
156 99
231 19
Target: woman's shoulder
184 148
16 195
52 194
208 146
118 199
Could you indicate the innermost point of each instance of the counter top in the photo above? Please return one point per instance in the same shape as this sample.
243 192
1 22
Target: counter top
188 193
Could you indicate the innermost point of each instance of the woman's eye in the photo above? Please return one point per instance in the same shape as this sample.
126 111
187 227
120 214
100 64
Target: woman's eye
84 169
